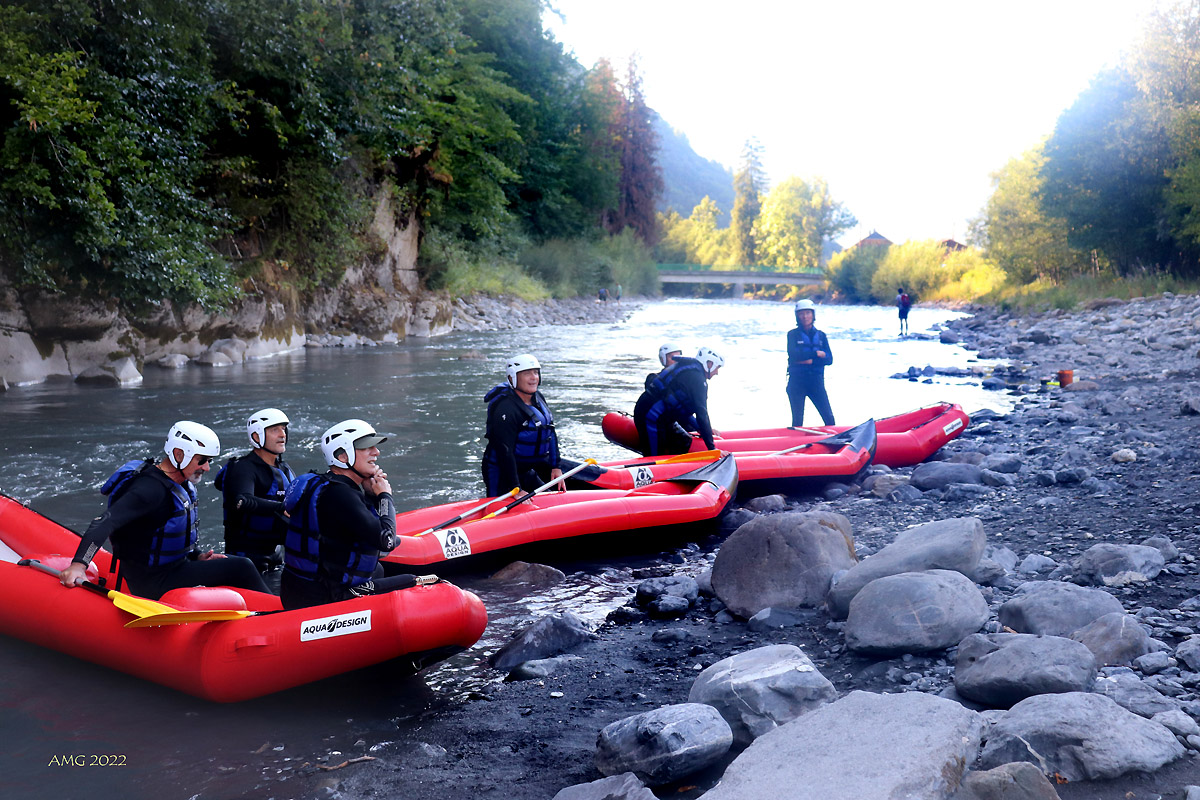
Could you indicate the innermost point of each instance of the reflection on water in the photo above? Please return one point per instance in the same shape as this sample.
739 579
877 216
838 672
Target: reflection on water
59 441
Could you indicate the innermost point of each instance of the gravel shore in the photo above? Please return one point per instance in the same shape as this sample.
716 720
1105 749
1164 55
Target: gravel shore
1110 458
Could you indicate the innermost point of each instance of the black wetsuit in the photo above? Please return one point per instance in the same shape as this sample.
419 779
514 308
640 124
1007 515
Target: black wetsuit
808 380
143 507
254 520
675 401
522 444
354 530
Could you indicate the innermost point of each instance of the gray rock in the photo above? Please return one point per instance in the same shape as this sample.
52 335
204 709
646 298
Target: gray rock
1002 462
540 668
759 690
1134 695
625 786
1016 781
782 560
1153 663
1079 736
547 637
1055 608
1001 669
213 358
997 479
771 502
680 586
905 493
883 485
914 612
734 518
988 572
1177 722
940 474
968 492
524 572
1163 545
773 619
954 544
1115 638
665 744
173 361
1119 564
1124 456
1002 555
866 745
1072 475
1036 563
1188 652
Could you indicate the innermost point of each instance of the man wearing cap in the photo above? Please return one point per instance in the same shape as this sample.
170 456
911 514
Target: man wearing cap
808 355
340 523
152 521
253 486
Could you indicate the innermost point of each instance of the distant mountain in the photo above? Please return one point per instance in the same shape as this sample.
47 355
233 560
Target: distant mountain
688 177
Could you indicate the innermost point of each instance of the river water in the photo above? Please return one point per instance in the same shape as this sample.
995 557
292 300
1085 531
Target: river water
60 440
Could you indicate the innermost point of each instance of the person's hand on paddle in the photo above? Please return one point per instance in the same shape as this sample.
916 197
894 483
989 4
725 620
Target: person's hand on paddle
73 575
555 474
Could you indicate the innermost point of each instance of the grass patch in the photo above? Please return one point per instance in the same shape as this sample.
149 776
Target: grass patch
1074 293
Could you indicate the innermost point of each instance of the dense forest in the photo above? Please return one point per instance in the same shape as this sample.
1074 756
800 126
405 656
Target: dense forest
159 149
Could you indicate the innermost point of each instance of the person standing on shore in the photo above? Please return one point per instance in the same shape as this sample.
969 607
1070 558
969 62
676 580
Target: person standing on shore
603 295
253 486
904 303
618 293
522 447
808 355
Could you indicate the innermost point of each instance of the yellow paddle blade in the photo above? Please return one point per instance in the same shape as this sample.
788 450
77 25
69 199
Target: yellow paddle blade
702 455
174 617
139 606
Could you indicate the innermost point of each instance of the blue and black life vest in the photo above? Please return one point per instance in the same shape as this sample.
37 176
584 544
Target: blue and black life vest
535 439
668 395
259 528
175 538
312 556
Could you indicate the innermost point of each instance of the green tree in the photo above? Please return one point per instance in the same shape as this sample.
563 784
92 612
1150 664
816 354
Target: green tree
749 183
795 221
641 182
851 271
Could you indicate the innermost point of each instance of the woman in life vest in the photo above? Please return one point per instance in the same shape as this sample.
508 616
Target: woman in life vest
522 448
808 355
152 520
253 486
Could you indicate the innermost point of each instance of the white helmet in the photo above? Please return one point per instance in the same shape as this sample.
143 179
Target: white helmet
191 438
260 421
710 360
805 305
520 364
348 436
666 350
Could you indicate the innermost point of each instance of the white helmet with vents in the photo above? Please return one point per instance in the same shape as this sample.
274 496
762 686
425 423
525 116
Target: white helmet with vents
346 437
666 350
190 438
710 360
260 421
518 364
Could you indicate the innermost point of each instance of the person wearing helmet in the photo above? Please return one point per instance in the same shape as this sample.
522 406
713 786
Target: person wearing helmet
522 448
152 521
253 486
675 402
808 355
340 523
667 354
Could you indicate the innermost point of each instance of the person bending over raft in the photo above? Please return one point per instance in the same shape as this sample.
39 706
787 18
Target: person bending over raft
152 519
340 523
522 447
808 355
253 486
676 401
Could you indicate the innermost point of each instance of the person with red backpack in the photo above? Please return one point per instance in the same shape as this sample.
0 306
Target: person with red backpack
904 303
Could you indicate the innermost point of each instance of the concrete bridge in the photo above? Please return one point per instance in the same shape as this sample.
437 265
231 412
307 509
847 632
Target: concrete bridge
738 276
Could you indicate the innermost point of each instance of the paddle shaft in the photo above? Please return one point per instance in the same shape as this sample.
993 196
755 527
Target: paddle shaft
469 512
138 606
588 463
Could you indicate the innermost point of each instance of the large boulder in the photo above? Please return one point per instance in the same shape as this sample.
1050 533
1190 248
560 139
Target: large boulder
1001 669
940 474
1116 638
547 637
782 560
1080 736
1118 564
759 690
866 745
665 744
1019 780
1133 694
1055 608
625 786
914 612
952 544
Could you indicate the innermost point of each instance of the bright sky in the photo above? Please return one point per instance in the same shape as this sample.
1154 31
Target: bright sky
905 107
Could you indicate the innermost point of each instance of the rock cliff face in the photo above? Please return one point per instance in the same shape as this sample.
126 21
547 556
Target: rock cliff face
44 335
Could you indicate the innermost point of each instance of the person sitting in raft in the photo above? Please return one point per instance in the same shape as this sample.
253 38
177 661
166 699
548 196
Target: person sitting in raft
676 401
808 355
522 447
152 519
340 523
253 486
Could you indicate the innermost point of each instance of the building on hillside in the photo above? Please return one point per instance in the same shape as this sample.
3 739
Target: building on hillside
951 246
874 239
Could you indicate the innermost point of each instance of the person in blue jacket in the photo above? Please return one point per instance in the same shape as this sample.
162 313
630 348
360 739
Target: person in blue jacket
522 448
808 354
675 402
153 522
253 486
340 523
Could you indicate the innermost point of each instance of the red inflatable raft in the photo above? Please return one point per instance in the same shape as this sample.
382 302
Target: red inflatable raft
225 661
696 493
903 440
814 463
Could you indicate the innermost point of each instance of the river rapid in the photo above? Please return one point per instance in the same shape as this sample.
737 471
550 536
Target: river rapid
59 441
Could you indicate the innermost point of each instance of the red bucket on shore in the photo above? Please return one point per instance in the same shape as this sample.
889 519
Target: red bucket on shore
1066 377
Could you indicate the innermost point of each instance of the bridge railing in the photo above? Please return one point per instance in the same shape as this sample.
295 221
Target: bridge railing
750 268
